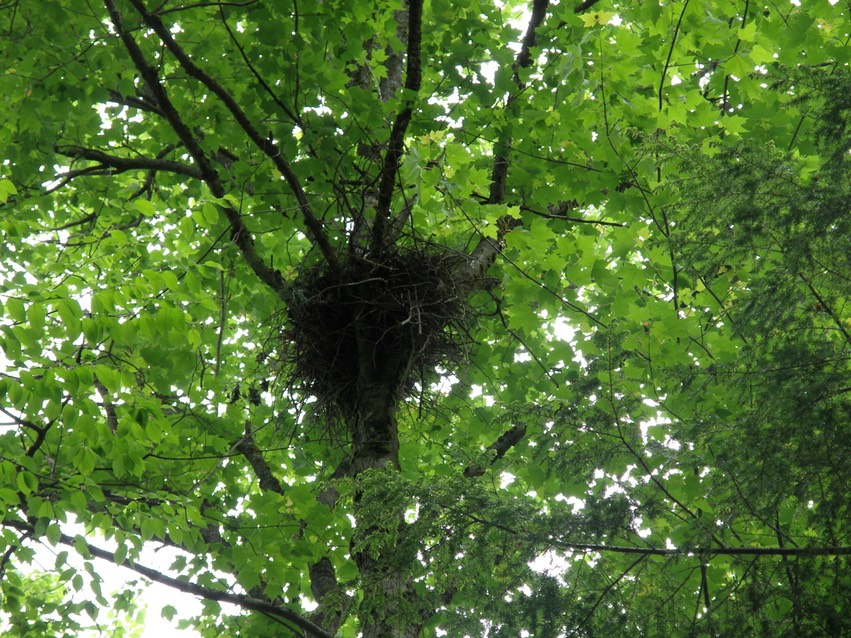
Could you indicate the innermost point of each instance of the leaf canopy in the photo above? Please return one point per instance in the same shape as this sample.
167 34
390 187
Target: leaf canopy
640 423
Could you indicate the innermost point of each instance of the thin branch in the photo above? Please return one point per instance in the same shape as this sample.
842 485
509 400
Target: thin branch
514 334
265 144
584 6
606 591
108 405
689 552
208 593
486 251
147 185
725 94
524 57
671 52
121 164
199 5
837 320
135 102
77 222
679 552
499 174
396 142
577 220
265 85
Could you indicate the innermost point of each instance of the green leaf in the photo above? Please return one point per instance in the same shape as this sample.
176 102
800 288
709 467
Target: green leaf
7 189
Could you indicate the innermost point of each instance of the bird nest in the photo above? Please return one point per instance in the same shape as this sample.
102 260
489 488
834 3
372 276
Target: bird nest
406 307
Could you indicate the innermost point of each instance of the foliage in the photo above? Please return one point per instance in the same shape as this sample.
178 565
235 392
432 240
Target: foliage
40 605
567 284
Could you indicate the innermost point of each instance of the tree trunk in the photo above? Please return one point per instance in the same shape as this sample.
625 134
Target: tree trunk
389 608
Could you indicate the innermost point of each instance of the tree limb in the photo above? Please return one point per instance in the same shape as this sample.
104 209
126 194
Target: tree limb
247 602
803 552
266 145
499 174
117 164
135 102
508 440
584 6
396 143
239 234
296 119
248 448
485 252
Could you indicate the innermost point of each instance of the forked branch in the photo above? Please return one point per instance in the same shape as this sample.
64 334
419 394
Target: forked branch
239 234
265 144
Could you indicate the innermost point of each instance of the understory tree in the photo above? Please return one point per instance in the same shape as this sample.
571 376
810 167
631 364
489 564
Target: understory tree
406 318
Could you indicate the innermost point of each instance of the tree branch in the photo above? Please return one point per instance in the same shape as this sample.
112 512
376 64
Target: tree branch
135 102
248 448
247 602
121 164
198 5
266 145
239 234
262 82
323 578
485 252
803 552
396 143
508 440
584 6
499 174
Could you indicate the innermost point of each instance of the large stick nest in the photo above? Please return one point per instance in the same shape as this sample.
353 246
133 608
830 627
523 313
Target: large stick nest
406 307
